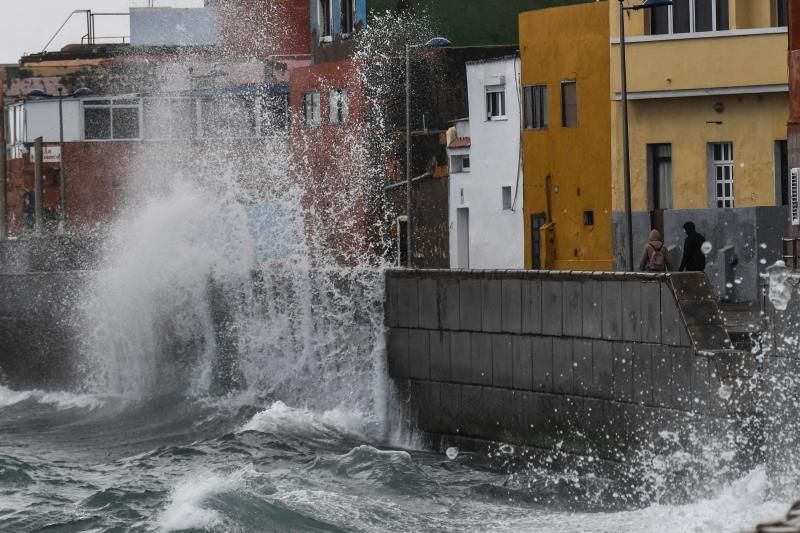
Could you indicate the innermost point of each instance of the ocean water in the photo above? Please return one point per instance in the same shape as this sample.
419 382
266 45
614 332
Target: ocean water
222 392
72 462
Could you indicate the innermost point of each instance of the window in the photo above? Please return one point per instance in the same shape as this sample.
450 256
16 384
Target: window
325 20
588 218
111 119
569 104
168 118
311 110
348 16
781 13
722 173
537 221
460 163
536 107
688 16
781 173
495 102
273 113
338 106
660 158
506 198
228 117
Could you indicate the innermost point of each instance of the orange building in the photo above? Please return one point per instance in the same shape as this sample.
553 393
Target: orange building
567 137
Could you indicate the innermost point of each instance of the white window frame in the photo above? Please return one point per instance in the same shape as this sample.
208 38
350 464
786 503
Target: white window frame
314 119
535 97
146 131
119 102
718 175
670 19
15 130
338 106
457 163
325 37
496 102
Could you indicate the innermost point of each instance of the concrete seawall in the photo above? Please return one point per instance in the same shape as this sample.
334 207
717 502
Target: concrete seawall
592 360
38 333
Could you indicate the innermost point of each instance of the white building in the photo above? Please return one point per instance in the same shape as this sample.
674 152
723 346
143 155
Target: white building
486 219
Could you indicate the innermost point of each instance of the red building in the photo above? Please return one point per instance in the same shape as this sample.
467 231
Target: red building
327 143
172 97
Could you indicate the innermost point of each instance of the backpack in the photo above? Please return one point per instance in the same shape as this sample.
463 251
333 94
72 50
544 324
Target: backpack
657 262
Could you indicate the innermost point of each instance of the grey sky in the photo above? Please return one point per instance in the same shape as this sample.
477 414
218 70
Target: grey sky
26 25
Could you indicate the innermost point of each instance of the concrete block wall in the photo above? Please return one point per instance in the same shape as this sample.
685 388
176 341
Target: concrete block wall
38 334
532 357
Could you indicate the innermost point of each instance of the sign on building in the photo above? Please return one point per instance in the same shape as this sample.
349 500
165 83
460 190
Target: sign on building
50 154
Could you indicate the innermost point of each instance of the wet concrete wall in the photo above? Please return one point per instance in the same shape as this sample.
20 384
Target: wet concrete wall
41 279
38 335
591 360
741 238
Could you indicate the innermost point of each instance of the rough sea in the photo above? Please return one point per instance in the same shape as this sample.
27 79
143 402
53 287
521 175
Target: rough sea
72 463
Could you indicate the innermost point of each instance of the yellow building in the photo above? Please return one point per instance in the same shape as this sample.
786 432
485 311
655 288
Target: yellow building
708 104
567 137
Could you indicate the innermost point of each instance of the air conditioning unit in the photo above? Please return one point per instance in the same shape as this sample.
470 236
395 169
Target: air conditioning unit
794 196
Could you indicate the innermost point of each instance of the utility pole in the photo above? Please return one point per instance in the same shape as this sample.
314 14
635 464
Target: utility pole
3 202
37 186
409 222
62 197
626 159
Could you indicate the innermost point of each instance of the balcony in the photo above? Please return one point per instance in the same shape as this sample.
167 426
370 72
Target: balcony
700 64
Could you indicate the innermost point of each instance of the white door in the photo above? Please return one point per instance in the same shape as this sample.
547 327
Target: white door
462 227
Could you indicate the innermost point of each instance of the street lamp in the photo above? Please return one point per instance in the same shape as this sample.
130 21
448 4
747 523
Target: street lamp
436 42
626 160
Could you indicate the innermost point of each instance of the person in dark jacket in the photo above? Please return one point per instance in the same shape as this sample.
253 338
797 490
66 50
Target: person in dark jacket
694 260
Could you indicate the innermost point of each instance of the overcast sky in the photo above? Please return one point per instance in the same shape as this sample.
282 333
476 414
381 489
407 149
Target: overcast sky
27 25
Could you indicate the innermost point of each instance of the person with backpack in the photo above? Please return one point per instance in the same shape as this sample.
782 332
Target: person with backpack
693 260
655 257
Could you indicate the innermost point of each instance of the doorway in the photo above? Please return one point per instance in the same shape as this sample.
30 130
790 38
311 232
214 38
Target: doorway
537 221
462 227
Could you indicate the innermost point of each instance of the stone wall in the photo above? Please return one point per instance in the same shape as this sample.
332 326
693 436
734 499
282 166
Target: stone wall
534 357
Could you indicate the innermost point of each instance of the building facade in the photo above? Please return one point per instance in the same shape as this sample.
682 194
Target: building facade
708 101
707 106
132 111
566 138
485 160
438 94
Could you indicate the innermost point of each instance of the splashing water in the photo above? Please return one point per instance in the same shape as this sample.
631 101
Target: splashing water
249 349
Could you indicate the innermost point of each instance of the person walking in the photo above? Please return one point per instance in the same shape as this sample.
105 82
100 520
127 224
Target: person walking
693 260
655 257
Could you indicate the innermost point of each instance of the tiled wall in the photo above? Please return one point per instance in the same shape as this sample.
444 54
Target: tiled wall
530 357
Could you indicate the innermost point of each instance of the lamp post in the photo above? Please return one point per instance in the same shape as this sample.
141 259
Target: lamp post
3 195
436 42
62 204
626 160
